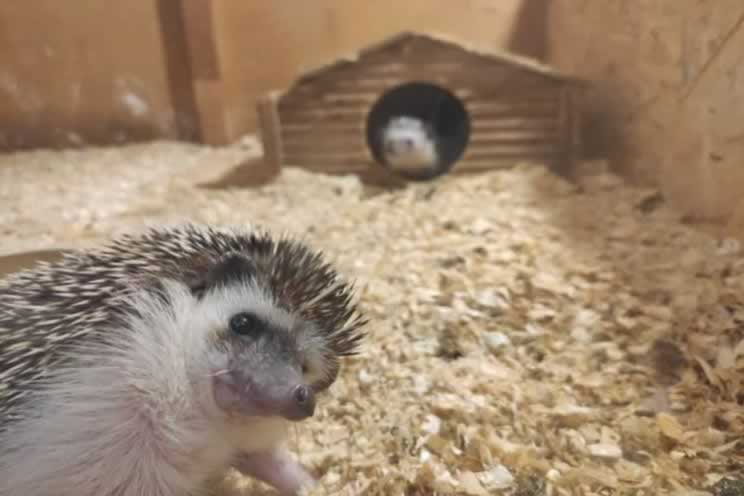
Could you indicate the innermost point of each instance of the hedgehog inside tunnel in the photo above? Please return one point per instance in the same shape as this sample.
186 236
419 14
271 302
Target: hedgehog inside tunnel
418 129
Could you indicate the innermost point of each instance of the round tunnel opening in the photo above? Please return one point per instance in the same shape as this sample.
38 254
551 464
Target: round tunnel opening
444 115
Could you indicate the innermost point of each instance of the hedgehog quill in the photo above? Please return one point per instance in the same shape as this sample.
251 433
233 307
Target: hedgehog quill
155 363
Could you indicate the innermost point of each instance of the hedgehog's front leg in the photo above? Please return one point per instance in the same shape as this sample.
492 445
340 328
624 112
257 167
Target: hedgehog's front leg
278 469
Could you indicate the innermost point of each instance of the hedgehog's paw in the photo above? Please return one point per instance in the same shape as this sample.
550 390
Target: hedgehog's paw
278 469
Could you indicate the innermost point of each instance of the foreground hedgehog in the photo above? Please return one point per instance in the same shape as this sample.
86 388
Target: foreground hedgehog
409 145
158 362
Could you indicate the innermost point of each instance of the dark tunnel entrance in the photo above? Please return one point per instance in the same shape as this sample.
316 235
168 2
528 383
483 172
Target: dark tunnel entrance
444 113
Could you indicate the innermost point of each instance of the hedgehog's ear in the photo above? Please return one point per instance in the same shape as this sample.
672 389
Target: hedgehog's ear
229 269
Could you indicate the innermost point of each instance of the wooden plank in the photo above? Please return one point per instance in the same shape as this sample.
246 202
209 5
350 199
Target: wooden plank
513 134
494 140
269 123
509 151
564 162
178 69
312 130
538 123
198 17
461 166
494 148
366 98
481 165
332 156
320 116
213 129
328 142
340 157
320 130
480 83
351 167
194 74
496 112
481 111
318 150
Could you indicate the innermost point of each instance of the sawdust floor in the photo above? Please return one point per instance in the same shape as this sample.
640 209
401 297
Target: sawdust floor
528 337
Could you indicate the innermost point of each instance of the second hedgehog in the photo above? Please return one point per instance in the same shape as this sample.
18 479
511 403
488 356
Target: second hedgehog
162 360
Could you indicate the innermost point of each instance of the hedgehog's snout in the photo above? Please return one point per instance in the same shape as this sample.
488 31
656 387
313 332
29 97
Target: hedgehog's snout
304 402
277 390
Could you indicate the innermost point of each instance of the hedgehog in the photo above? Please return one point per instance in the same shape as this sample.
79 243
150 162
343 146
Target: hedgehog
163 359
409 145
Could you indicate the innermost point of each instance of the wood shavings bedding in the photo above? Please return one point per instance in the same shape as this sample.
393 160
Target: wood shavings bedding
529 336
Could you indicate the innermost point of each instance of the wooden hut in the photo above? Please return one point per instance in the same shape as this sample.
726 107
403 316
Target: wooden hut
489 109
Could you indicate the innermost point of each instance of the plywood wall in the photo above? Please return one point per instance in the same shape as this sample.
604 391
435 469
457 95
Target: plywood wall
668 104
100 72
81 71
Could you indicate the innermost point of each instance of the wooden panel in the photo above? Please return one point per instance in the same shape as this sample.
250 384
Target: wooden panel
480 83
197 18
539 123
421 55
347 156
271 138
205 70
509 150
467 93
178 65
343 167
329 142
512 137
546 124
333 138
541 108
212 123
322 131
82 72
665 103
341 116
329 156
496 112
365 77
361 166
480 165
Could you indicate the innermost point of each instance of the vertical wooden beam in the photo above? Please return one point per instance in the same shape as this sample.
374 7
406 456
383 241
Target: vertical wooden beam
194 73
198 24
206 71
565 157
576 138
178 70
271 138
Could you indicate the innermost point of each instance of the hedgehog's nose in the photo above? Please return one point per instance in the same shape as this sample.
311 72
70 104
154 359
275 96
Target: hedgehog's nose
303 404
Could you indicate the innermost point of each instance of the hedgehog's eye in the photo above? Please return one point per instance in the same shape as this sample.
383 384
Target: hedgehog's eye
246 324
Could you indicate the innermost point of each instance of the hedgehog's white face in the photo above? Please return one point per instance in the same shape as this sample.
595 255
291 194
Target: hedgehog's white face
407 143
245 354
263 360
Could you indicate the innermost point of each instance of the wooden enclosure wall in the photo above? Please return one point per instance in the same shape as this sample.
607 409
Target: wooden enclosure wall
100 72
81 70
668 103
